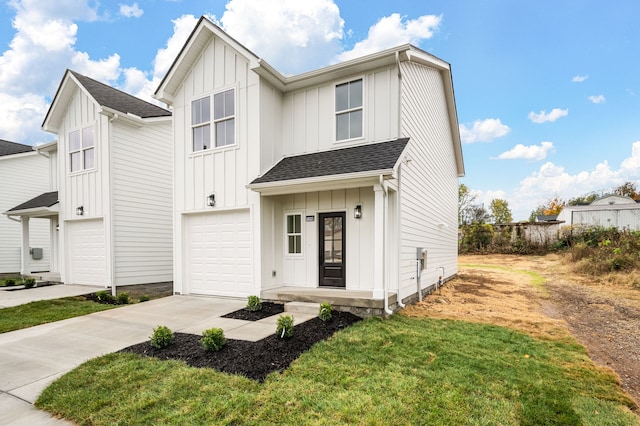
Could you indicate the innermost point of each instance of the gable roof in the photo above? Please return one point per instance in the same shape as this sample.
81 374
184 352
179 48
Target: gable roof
377 158
10 148
47 199
107 97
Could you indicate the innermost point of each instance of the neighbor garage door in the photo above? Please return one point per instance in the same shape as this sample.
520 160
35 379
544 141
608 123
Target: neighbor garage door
86 252
218 254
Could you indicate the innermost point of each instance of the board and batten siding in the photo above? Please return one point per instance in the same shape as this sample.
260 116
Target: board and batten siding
302 269
308 115
223 171
142 166
429 181
22 177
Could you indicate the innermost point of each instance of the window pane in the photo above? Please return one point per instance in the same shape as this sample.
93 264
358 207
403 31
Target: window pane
87 137
296 224
328 251
218 106
75 161
200 111
298 243
229 103
231 135
290 224
337 251
201 137
342 97
221 130
88 158
355 124
74 140
291 245
342 127
355 94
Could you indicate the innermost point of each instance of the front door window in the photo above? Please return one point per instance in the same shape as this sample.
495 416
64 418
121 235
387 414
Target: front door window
332 249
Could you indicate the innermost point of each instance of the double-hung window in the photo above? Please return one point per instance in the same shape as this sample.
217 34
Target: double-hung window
294 233
349 110
223 121
81 149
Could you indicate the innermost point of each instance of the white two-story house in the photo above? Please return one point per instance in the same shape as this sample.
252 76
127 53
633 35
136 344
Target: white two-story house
343 179
111 186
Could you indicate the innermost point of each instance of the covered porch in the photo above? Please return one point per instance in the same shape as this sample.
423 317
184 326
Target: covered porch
44 206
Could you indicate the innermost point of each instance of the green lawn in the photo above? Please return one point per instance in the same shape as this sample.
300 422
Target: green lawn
44 311
393 372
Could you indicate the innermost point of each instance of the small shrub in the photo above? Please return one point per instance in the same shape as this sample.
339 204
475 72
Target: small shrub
325 311
285 326
29 282
162 337
254 304
144 298
123 298
105 298
213 339
9 282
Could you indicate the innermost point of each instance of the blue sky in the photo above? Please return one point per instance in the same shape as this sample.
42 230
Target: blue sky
548 92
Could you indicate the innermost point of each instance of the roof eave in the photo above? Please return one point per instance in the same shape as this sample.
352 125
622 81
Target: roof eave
321 183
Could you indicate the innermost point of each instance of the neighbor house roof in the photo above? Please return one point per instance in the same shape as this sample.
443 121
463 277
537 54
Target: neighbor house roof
47 199
10 148
377 157
110 99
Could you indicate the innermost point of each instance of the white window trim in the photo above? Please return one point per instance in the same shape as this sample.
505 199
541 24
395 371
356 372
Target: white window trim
81 150
286 234
335 113
212 122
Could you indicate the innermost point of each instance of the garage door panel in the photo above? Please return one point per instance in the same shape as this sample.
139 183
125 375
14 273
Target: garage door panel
219 254
86 251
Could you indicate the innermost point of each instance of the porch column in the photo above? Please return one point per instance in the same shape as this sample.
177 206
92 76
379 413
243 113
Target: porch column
378 242
25 268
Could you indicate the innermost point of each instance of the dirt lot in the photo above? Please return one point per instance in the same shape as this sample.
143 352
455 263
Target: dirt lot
540 295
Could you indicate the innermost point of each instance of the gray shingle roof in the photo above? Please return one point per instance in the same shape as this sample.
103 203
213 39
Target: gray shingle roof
47 199
10 148
362 158
120 101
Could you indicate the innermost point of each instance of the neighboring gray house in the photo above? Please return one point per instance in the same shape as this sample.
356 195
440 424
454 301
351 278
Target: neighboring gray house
111 188
610 211
23 174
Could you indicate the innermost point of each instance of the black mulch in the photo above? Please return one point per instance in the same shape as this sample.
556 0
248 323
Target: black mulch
254 360
268 309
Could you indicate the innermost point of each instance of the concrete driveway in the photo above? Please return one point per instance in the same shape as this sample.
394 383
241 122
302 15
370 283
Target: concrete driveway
10 297
32 358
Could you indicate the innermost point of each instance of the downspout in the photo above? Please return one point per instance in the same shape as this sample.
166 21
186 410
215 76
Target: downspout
402 305
385 287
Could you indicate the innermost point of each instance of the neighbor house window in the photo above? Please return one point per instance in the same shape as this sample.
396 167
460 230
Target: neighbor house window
81 149
349 110
224 118
294 233
201 123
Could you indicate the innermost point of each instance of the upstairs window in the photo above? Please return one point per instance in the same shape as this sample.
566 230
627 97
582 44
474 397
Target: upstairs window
224 118
81 149
294 234
201 123
349 110
223 121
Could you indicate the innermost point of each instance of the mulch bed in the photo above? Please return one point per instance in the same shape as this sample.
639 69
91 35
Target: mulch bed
254 360
268 309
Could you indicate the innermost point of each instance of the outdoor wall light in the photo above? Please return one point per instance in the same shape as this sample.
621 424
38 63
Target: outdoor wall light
80 210
357 212
211 200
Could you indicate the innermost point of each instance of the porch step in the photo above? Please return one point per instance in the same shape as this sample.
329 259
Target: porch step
302 308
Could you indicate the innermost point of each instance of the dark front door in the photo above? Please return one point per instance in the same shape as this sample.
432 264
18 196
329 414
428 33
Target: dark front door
332 249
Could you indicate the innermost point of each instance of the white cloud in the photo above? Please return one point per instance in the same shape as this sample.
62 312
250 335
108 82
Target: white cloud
394 30
579 78
483 130
132 11
291 35
552 116
600 99
554 180
531 152
182 27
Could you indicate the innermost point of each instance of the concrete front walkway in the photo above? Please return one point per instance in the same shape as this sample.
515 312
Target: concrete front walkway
10 297
32 358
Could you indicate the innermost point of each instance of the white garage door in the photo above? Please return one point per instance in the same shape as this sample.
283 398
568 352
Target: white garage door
218 254
86 252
